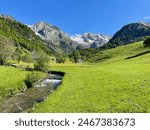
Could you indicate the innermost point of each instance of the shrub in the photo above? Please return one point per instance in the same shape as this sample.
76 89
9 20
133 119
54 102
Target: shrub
75 56
2 59
41 62
147 43
31 79
60 59
28 58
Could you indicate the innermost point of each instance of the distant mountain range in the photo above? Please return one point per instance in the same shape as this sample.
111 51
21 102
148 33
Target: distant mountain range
90 40
59 41
52 38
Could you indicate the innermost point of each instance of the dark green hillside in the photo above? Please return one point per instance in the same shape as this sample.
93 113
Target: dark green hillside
129 34
21 35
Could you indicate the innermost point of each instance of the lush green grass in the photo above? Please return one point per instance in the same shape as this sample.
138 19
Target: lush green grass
119 53
12 80
115 85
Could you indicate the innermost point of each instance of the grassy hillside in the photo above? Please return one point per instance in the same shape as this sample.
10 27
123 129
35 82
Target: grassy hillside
114 85
119 53
21 35
18 42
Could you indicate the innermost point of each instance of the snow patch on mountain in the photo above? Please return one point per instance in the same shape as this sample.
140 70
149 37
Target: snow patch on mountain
90 39
54 35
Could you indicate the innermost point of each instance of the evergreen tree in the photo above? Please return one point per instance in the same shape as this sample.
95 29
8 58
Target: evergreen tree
147 42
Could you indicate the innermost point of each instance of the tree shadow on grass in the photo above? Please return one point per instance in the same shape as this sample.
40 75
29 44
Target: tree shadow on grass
140 54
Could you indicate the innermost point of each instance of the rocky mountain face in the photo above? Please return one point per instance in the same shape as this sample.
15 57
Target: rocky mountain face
89 40
54 37
61 42
130 33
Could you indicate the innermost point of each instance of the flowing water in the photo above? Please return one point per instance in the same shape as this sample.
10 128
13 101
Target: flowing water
24 101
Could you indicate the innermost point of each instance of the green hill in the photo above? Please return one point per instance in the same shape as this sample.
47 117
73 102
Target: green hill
119 53
21 35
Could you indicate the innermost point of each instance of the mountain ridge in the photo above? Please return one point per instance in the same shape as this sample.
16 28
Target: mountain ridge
91 40
56 37
130 33
53 36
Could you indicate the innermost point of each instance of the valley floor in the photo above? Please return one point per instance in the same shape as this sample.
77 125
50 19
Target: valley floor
115 85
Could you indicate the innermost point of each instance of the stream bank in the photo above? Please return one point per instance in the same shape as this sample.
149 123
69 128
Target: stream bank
24 101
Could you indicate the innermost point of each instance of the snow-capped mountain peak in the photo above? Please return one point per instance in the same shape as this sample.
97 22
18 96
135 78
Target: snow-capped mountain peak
57 38
53 36
90 39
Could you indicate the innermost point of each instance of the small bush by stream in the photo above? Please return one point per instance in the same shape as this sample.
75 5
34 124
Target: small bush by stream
32 78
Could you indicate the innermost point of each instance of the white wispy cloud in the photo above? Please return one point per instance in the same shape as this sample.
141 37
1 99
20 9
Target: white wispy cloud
146 17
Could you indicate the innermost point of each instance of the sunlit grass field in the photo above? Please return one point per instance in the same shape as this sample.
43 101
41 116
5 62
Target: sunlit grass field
114 85
12 80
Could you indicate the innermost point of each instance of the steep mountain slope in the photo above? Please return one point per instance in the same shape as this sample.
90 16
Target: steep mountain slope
89 40
21 35
61 42
130 33
54 37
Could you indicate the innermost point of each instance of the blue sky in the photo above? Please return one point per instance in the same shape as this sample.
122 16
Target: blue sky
79 16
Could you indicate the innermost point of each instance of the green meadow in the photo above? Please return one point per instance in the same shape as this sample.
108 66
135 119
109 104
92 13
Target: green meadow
12 80
112 84
116 80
